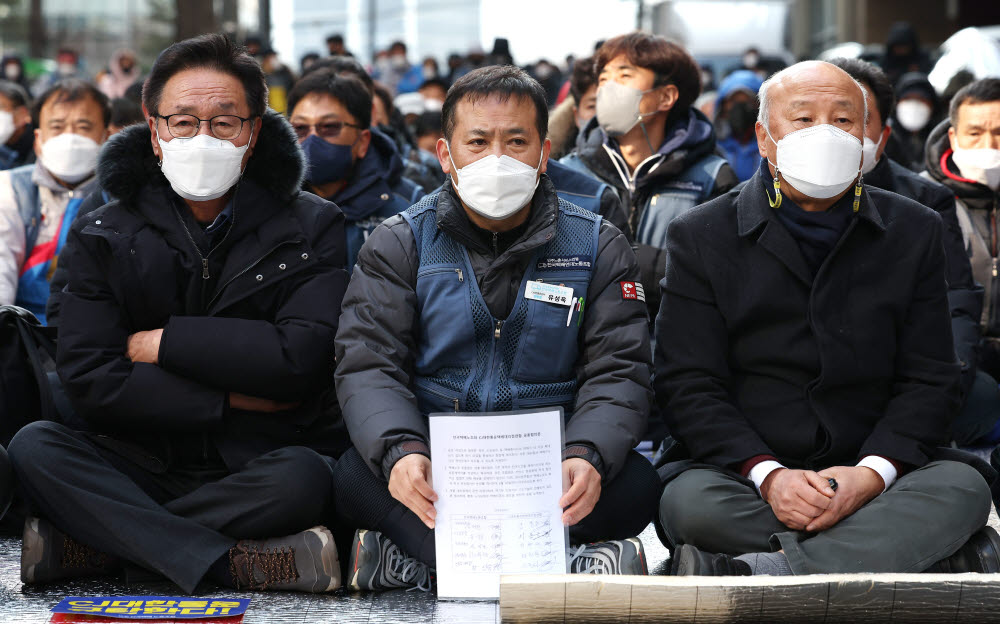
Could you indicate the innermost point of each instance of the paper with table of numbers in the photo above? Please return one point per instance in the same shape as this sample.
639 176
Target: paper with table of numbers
498 477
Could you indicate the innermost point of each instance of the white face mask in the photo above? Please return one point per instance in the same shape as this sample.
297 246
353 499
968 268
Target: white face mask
868 151
618 107
6 126
494 187
203 167
70 157
913 115
819 161
981 165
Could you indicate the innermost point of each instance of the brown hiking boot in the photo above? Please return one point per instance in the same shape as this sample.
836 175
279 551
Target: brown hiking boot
49 555
305 562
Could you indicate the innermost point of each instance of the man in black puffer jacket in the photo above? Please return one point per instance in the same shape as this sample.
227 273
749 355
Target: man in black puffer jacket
196 336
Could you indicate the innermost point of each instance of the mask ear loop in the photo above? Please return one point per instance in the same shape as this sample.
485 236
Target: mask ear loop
776 202
857 195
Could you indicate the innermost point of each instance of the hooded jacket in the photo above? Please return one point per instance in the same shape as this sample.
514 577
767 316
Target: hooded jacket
916 60
976 206
743 157
376 191
903 146
683 173
116 81
377 340
256 314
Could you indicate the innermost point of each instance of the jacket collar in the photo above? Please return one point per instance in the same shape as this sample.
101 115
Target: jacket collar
42 178
753 209
687 140
452 219
369 185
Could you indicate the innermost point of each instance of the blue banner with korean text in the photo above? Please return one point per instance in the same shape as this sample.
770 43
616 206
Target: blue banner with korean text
153 607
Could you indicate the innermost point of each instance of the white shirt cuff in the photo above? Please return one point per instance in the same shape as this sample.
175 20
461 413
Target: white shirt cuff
759 472
882 466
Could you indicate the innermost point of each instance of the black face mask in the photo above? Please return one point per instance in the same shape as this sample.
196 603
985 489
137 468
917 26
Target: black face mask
741 118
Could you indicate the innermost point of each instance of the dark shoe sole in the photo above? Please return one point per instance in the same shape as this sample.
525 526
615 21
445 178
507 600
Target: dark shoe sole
988 550
685 561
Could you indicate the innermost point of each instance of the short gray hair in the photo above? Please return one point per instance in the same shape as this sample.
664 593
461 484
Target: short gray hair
764 108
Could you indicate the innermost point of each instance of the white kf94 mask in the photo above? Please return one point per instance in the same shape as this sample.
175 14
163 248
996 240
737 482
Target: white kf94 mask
496 187
203 167
819 161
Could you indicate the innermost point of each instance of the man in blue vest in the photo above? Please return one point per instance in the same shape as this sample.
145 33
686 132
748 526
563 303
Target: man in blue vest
440 290
38 202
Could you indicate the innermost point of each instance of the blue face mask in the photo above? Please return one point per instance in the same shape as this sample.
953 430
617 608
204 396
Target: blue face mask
327 162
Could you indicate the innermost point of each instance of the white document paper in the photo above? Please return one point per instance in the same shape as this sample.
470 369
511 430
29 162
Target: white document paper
498 478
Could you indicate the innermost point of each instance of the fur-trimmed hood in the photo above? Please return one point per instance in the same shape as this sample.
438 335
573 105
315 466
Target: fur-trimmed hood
127 162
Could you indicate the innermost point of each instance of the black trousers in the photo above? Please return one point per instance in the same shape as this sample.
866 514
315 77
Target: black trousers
173 521
625 508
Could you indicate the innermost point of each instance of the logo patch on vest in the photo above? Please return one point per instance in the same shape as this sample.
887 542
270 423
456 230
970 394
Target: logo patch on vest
562 262
633 290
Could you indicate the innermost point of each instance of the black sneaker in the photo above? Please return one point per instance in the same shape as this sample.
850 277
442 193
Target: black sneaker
980 554
305 562
49 555
689 561
377 565
615 557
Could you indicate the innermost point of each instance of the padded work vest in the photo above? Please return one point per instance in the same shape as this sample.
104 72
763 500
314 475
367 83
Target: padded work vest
466 359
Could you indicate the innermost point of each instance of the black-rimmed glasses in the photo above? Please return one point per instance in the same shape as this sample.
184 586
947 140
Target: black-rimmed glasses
184 126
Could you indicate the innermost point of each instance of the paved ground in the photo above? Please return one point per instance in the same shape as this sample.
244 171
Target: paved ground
22 604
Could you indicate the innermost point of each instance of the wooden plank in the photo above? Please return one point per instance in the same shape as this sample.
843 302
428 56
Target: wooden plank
979 601
583 599
927 601
864 601
805 601
829 597
647 601
531 598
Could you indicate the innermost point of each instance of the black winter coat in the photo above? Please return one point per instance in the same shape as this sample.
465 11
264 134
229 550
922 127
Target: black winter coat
259 317
756 357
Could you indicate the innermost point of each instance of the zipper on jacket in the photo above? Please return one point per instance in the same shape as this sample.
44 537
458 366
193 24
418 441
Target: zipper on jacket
495 245
204 257
461 278
456 404
496 331
197 250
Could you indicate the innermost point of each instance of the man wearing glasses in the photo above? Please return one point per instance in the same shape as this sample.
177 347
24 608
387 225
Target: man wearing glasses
350 164
196 338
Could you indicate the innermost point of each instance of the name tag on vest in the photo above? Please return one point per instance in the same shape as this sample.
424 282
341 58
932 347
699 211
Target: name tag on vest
549 293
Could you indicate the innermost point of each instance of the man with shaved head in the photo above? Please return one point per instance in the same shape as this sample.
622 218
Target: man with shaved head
804 358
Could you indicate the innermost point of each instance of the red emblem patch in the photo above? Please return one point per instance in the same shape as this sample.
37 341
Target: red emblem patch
633 290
